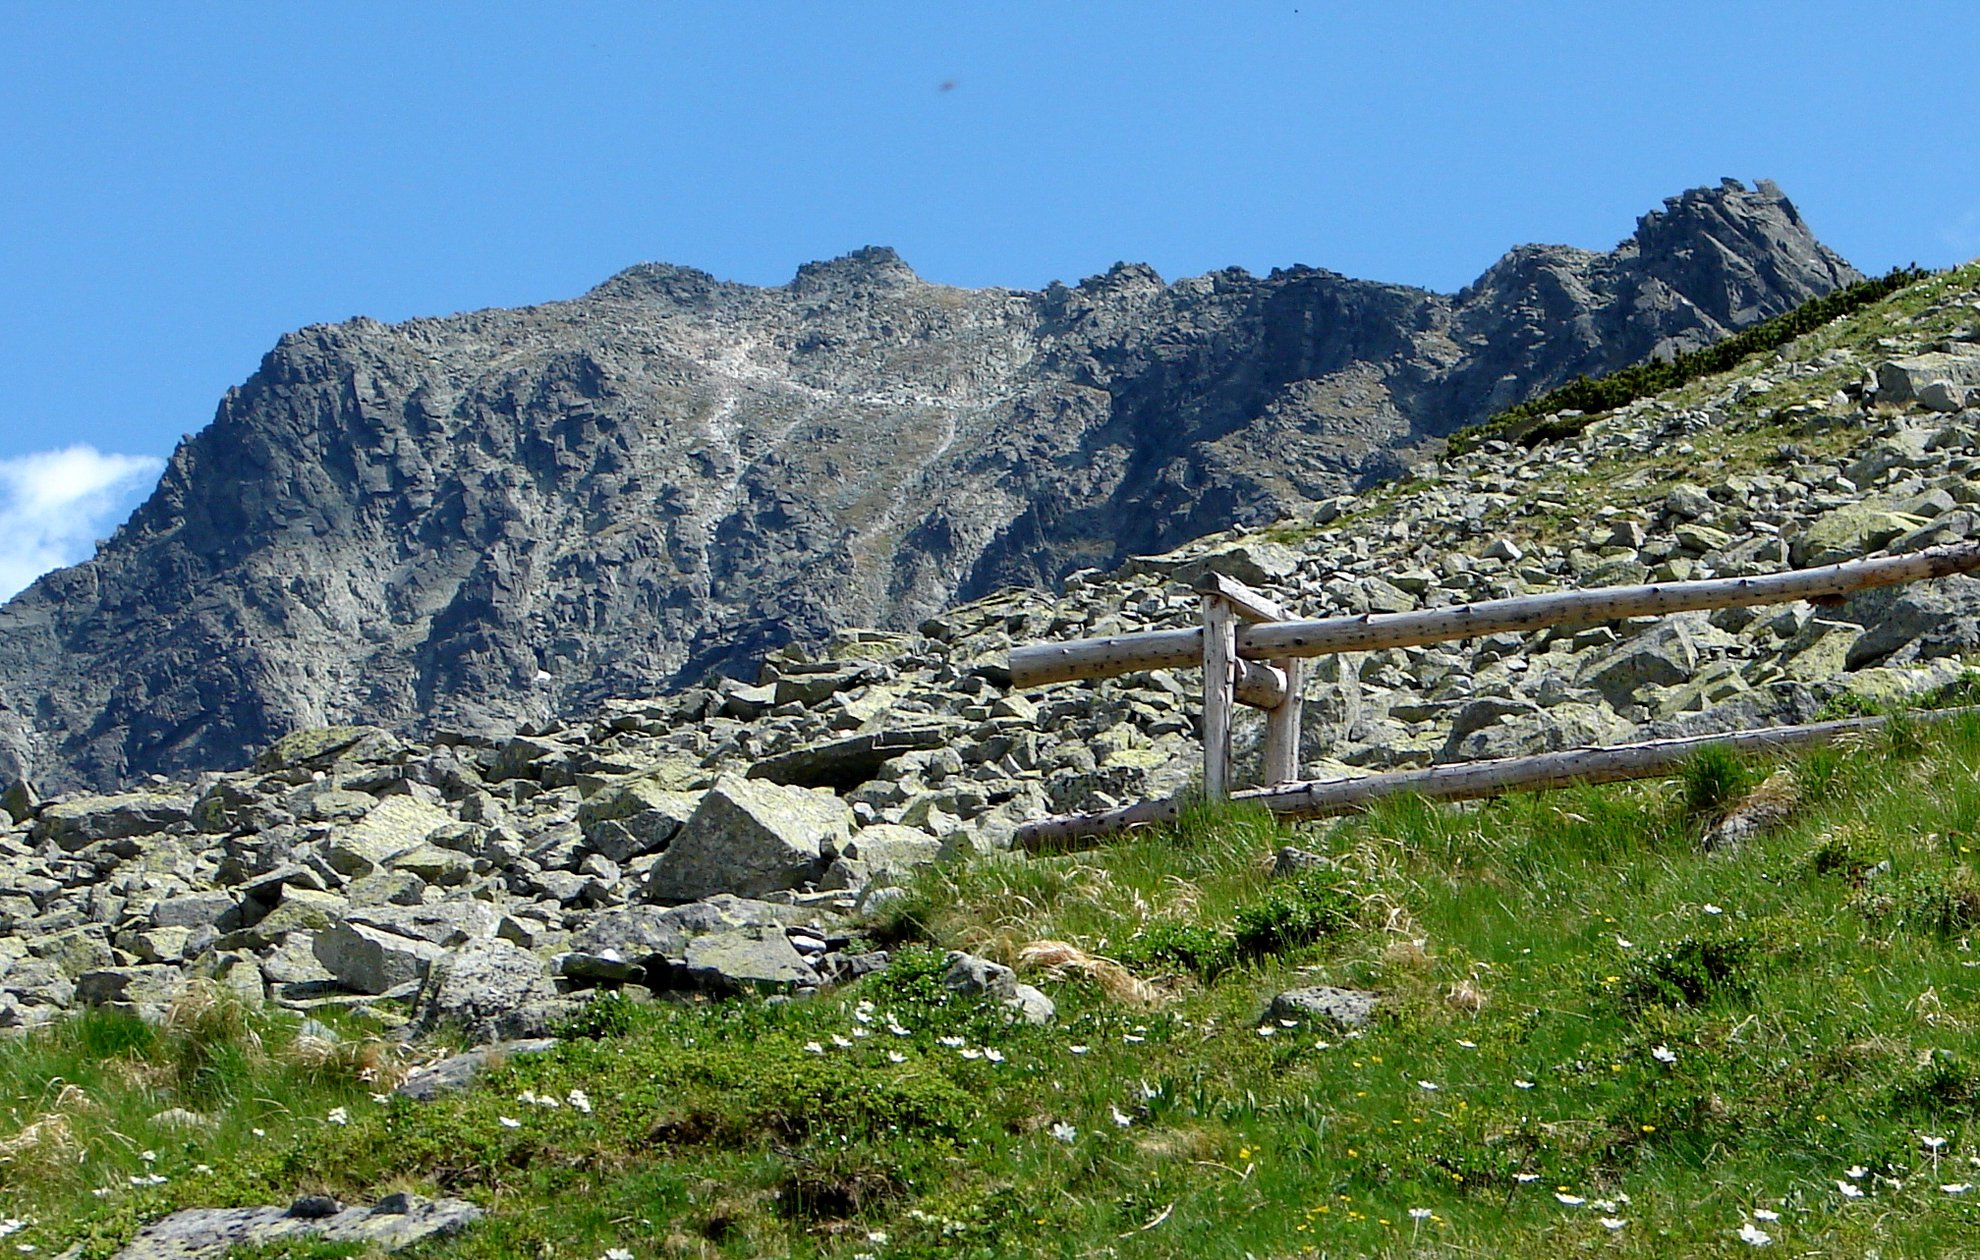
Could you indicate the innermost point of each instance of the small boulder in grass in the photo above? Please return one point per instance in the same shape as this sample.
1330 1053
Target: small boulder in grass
1343 1008
979 977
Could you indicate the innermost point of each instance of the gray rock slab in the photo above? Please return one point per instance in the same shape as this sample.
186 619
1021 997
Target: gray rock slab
1343 1008
367 960
490 989
758 959
750 837
395 1221
848 762
453 1074
77 824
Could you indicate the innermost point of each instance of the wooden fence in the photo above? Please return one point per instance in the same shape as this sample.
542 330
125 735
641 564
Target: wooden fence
1252 652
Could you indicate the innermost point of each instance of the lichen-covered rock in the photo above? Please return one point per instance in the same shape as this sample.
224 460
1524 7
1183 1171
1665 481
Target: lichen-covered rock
368 960
77 824
395 1221
751 837
491 990
757 959
1340 1008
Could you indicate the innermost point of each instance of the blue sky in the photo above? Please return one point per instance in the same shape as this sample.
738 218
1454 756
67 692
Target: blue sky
186 182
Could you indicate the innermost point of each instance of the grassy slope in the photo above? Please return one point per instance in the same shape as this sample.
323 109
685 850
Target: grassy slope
1819 1019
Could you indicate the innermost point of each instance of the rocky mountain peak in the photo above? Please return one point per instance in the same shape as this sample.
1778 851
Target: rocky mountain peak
488 519
874 267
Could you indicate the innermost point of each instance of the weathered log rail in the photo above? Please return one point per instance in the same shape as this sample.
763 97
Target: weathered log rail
1470 780
1043 663
1242 629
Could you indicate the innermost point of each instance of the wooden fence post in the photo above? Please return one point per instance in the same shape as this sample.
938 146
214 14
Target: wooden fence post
1281 761
1219 681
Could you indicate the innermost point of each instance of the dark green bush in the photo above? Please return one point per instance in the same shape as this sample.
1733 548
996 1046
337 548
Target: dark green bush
1203 951
1528 422
1295 912
1694 971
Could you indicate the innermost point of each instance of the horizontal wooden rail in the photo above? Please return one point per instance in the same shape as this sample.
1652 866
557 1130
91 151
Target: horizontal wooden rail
1044 663
1464 781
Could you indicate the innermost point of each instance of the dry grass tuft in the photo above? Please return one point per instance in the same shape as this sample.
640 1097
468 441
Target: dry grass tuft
1061 959
1466 996
1767 806
49 1140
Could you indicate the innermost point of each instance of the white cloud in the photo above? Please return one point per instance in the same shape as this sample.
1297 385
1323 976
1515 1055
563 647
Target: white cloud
55 504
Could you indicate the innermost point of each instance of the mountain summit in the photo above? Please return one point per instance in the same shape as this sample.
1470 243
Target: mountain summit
486 519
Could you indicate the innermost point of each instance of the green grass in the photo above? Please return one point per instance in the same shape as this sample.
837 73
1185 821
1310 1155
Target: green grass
1604 1012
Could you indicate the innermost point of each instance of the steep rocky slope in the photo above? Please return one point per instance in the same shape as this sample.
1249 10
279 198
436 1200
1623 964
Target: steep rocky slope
712 838
492 518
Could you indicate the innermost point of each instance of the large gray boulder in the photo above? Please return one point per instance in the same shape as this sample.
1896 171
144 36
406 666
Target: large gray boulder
396 825
80 823
1661 656
758 959
1906 380
395 1221
492 990
369 960
751 837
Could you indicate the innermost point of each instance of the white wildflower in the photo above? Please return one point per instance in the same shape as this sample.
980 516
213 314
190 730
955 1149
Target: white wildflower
259 1132
1431 1086
842 1043
1132 1040
1766 1214
151 1157
1570 1200
1856 1172
580 1101
1933 1143
1121 1118
1419 1214
616 1253
1957 1187
1850 1190
508 1122
337 1116
1524 1178
1612 1222
1663 1054
1468 1045
1709 908
1753 1236
812 1047
1077 1049
895 1056
951 1042
1624 944
1522 1084
1266 1030
149 1179
970 1052
12 1225
993 1054
1064 1132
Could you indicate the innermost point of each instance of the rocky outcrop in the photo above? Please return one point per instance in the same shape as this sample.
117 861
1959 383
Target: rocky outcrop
487 520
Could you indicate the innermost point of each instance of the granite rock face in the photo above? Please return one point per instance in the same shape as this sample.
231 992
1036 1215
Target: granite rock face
486 520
